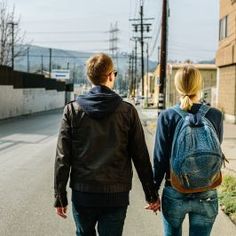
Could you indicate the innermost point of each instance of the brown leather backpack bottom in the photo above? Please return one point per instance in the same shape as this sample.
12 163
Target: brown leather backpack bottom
177 185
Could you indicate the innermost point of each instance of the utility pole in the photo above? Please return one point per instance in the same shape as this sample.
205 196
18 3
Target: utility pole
162 89
132 74
158 56
135 66
12 24
147 78
141 27
135 79
50 62
142 57
42 64
28 60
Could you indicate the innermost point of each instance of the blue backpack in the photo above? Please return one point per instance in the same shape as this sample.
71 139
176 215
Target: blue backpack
196 156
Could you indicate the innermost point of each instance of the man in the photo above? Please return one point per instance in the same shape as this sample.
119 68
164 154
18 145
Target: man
100 134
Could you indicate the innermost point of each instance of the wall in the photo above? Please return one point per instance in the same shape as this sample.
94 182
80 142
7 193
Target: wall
227 95
226 61
16 102
25 93
11 102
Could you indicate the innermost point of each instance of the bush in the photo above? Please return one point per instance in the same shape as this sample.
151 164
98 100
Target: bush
227 196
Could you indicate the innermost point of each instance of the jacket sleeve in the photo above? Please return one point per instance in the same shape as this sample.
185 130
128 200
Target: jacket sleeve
162 149
62 161
139 154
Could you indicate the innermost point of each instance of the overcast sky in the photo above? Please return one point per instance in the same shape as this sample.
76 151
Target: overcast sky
83 25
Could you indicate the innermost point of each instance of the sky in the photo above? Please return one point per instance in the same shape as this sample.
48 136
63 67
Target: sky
83 25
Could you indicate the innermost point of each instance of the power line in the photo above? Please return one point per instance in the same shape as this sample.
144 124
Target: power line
139 27
74 41
68 32
55 56
156 33
154 45
191 49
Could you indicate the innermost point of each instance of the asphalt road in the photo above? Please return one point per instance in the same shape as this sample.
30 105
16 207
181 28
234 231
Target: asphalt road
27 151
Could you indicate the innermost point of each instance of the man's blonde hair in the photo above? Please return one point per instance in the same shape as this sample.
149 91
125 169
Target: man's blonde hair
188 83
99 66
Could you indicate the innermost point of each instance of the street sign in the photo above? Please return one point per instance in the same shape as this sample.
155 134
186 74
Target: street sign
60 74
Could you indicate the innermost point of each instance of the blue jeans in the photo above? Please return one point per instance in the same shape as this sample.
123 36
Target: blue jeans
202 209
109 220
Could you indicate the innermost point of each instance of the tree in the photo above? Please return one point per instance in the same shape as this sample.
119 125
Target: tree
10 35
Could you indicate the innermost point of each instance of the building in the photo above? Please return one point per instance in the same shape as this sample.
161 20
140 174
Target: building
209 74
150 89
226 60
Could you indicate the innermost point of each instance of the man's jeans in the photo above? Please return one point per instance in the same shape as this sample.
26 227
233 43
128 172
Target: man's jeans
109 220
202 209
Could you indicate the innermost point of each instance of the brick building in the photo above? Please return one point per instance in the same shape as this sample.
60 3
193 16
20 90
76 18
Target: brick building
226 60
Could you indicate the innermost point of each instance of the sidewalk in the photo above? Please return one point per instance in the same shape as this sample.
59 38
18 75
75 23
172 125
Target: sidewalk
223 225
229 146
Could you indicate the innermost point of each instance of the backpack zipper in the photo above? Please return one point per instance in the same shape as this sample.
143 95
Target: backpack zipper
186 178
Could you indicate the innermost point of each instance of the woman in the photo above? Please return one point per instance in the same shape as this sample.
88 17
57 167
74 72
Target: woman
201 207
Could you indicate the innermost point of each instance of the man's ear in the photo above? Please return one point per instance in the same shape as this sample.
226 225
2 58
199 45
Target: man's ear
110 77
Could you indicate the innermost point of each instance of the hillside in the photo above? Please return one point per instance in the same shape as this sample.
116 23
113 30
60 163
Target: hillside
75 60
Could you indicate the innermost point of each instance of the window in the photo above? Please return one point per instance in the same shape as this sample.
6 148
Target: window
223 28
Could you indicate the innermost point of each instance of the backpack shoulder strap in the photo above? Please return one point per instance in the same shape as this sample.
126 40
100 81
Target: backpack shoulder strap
179 125
203 110
181 112
77 114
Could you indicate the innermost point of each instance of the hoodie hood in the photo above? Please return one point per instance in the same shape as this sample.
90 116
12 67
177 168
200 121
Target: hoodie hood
99 102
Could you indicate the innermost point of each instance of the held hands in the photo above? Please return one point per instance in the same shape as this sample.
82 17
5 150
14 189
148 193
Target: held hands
154 206
62 212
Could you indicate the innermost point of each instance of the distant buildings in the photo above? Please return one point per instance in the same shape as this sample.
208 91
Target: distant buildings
226 60
219 88
209 74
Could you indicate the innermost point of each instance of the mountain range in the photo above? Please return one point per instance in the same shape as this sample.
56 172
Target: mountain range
38 60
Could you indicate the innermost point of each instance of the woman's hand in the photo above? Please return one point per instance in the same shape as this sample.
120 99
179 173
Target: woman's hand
154 206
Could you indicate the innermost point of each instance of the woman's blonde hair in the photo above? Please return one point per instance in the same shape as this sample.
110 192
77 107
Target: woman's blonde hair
188 83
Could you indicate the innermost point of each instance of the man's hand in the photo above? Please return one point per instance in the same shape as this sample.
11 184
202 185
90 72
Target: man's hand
154 206
61 211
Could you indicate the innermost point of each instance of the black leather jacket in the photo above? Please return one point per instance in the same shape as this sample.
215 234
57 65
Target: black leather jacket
97 153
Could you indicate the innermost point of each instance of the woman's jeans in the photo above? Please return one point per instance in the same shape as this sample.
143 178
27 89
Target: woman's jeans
109 220
202 209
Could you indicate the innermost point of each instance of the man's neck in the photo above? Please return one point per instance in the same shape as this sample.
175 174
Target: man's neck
107 85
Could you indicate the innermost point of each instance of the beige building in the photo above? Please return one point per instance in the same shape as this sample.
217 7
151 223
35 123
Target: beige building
226 60
208 72
150 89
